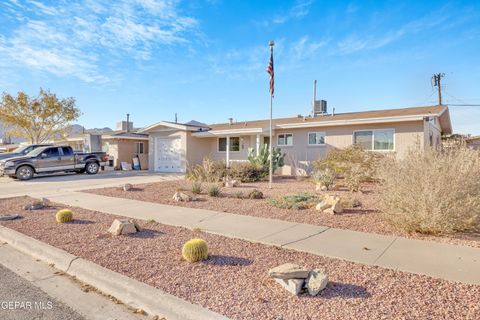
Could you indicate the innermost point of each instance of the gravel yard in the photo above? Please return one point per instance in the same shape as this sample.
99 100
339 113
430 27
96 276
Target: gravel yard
365 218
234 280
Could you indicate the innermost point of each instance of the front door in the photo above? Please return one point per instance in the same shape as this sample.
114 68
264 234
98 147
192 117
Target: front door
50 161
168 155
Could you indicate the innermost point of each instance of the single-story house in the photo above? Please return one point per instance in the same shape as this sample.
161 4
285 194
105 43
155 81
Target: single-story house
121 145
473 142
174 146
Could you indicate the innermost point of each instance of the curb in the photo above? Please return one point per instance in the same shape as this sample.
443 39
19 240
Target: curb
131 292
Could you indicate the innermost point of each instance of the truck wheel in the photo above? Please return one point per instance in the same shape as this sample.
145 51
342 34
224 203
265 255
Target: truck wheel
24 173
92 167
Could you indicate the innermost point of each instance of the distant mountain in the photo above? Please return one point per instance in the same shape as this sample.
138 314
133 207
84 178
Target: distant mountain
76 129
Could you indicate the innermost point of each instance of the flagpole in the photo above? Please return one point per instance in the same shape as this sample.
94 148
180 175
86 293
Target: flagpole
270 169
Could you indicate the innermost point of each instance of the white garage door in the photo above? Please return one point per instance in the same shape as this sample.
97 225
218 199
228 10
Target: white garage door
168 155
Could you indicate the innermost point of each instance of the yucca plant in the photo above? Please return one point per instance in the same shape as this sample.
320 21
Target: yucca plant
195 250
64 215
213 190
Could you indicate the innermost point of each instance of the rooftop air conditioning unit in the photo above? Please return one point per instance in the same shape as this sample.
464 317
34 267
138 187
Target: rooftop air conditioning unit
319 107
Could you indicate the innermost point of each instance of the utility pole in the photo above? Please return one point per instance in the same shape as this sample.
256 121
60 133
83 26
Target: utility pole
436 82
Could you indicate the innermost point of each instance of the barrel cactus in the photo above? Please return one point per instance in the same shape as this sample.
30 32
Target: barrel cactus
195 250
64 215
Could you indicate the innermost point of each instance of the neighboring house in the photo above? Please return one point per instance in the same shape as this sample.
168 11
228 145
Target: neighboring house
174 146
121 145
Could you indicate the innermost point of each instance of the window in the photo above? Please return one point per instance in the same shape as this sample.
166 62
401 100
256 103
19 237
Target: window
378 140
67 151
52 152
285 139
316 138
234 144
139 147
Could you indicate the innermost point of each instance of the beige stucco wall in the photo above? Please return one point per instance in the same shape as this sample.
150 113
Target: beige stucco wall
300 155
123 150
433 129
407 134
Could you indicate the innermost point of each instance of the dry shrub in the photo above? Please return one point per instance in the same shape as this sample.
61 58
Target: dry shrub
247 172
352 163
210 171
432 191
324 177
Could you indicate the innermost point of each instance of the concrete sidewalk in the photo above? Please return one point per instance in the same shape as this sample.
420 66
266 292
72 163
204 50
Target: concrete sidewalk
445 261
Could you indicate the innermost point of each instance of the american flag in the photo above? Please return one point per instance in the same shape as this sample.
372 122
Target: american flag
270 71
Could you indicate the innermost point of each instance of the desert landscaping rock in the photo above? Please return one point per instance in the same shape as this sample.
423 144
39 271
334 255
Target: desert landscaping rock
5 217
364 218
231 183
181 197
317 280
123 226
127 187
294 286
288 271
355 291
322 206
34 205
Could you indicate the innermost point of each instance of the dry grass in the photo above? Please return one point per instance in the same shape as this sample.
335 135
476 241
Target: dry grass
432 192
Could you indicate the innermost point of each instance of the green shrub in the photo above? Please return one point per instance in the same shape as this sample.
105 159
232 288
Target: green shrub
431 191
64 215
324 177
213 190
262 160
209 171
197 187
255 194
195 250
247 172
297 201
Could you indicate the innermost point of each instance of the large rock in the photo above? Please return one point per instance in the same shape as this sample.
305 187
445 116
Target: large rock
123 226
4 217
180 196
317 281
337 207
127 187
34 205
288 271
294 286
322 206
231 183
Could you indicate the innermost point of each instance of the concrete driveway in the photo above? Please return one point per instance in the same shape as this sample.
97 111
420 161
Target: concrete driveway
43 186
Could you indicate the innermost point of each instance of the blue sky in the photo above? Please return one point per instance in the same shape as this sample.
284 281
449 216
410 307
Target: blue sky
206 59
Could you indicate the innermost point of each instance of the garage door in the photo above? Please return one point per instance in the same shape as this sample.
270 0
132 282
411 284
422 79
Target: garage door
168 155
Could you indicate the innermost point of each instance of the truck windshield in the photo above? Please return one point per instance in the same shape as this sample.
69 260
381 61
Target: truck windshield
22 149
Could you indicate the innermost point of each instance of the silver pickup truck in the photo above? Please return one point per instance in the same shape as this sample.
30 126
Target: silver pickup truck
52 159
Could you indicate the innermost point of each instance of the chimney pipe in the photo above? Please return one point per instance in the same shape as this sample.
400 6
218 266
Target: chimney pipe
128 122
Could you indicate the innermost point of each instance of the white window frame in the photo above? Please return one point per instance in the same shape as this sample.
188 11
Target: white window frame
284 134
136 147
373 138
239 144
317 144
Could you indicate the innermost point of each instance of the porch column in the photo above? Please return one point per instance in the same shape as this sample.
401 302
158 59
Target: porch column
258 144
228 152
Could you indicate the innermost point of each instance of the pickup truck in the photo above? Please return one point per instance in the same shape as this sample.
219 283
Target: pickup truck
52 159
22 150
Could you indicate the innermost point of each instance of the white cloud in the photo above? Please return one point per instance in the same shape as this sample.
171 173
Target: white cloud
297 11
78 38
357 42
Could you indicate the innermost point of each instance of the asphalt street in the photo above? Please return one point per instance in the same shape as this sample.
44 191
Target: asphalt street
20 300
